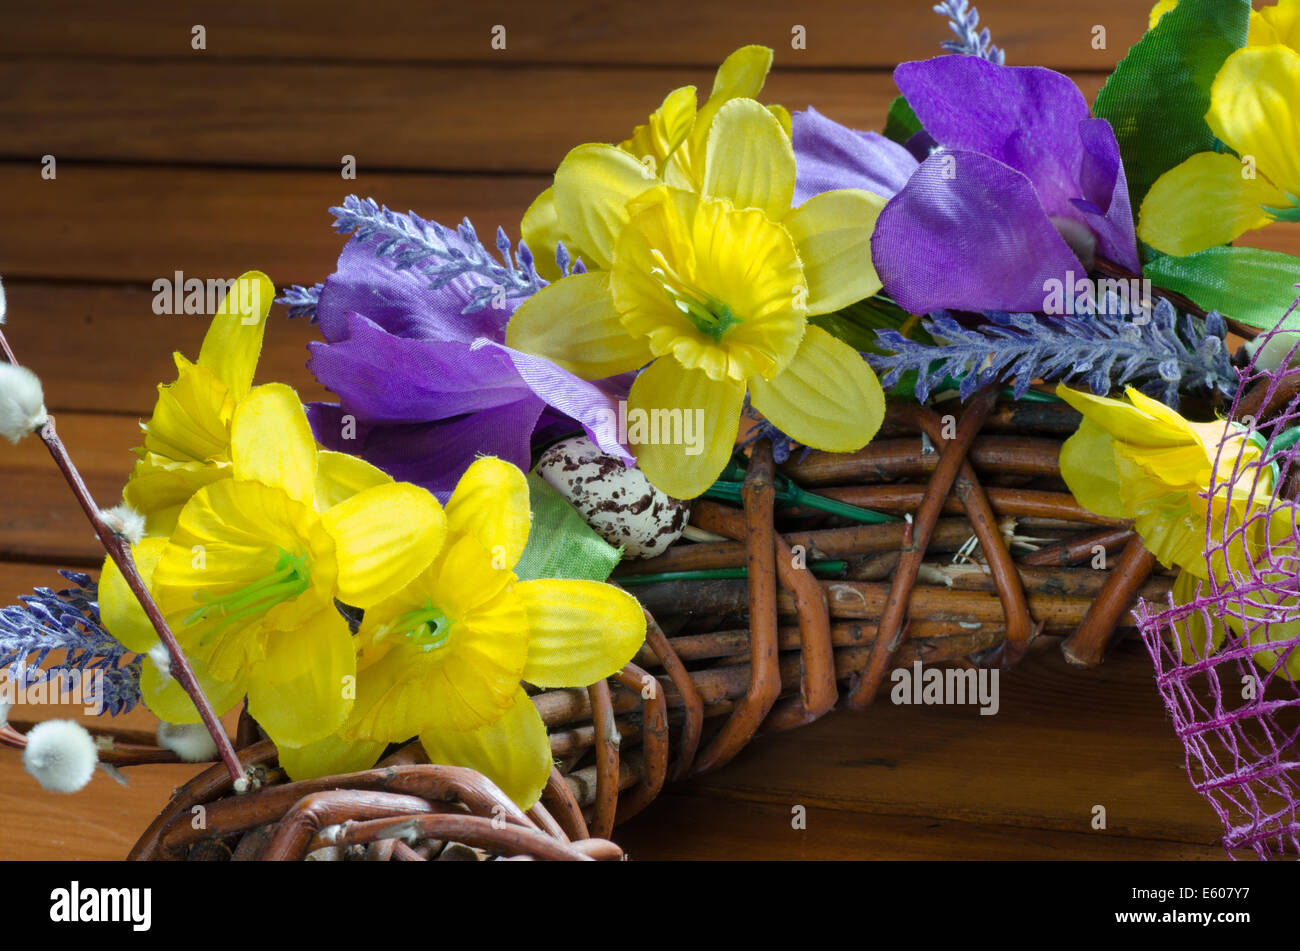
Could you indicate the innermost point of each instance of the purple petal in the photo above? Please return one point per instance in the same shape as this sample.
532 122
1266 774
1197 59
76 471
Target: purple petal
436 455
1026 117
402 302
1105 185
968 233
829 156
381 378
593 404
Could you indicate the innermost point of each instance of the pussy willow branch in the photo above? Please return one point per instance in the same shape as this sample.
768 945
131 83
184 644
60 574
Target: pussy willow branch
120 551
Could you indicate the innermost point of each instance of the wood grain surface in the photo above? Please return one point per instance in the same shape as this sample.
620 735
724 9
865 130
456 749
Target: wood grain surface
214 161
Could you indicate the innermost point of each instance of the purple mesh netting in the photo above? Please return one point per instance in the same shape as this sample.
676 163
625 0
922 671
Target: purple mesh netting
1236 706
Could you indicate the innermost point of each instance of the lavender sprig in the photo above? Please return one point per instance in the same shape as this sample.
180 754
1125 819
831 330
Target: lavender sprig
1108 347
444 255
300 300
971 40
68 620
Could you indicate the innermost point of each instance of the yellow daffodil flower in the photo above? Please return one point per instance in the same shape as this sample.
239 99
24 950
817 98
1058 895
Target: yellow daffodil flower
187 440
1142 460
669 147
249 578
443 658
1213 198
713 290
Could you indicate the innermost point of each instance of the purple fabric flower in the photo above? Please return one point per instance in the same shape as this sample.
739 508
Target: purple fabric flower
1025 187
430 388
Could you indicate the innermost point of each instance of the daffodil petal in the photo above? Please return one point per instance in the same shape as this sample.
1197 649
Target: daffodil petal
514 752
303 689
234 338
1254 108
542 231
491 504
271 442
169 702
1088 468
573 323
331 756
827 397
191 419
833 234
680 466
1204 202
119 611
1279 23
384 536
741 75
592 187
579 632
340 476
750 160
1127 422
1158 11
653 142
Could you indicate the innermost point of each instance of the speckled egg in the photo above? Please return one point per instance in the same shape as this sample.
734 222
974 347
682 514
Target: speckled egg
619 503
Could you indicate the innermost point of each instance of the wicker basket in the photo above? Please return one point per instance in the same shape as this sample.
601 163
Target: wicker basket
728 656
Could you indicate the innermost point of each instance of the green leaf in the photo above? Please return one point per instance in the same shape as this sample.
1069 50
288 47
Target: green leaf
1157 98
1251 286
857 323
902 122
560 543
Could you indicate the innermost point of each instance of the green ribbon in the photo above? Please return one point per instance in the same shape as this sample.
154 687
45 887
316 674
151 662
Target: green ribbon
560 542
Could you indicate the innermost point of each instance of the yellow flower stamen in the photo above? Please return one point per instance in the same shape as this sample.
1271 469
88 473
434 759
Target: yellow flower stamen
291 577
710 316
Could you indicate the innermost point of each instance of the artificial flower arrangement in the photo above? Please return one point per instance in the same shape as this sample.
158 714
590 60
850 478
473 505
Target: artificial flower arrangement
733 304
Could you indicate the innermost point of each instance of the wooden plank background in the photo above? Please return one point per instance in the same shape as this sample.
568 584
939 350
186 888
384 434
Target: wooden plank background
214 161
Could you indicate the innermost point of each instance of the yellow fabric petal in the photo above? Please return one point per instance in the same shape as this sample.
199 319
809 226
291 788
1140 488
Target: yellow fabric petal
1279 23
680 466
159 486
191 419
1127 422
782 116
234 338
271 442
303 689
491 504
593 185
119 611
652 143
331 756
514 752
827 397
1205 202
1194 642
168 701
741 75
542 231
579 632
384 536
833 234
1089 470
574 324
340 476
1255 108
750 160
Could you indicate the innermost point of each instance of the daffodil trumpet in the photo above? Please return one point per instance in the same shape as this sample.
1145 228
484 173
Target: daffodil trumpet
118 549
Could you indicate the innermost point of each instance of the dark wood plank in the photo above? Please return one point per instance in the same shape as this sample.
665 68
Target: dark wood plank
1054 33
101 348
1063 741
262 114
131 224
681 827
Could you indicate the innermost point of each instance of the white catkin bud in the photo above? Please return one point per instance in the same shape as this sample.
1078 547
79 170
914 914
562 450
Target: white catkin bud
190 741
125 522
22 402
162 660
61 755
4 303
